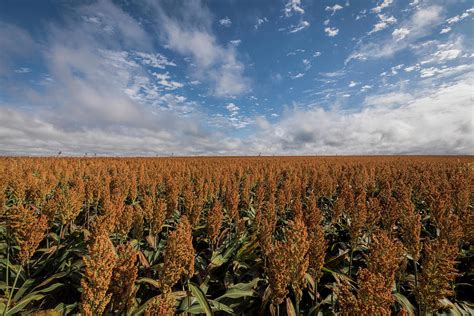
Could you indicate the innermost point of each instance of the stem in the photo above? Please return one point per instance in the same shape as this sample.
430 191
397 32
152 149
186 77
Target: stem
11 293
315 293
332 301
416 284
8 264
350 262
47 238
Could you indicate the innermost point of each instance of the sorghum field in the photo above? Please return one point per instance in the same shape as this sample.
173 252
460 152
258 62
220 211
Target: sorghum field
240 236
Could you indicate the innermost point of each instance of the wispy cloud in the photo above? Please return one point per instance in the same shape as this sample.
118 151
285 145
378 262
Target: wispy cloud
299 27
259 22
192 36
420 23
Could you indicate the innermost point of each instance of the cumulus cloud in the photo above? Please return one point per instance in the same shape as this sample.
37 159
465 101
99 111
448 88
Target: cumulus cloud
445 30
460 17
331 31
433 122
226 22
235 42
384 22
334 8
366 88
232 107
382 5
401 33
100 97
21 133
293 6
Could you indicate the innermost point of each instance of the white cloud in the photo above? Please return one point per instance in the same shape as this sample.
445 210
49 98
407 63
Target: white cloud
353 84
235 42
432 122
307 64
382 5
226 22
193 37
293 6
316 54
445 52
460 17
366 88
401 33
445 30
331 31
298 75
232 107
412 68
23 70
259 22
383 23
101 96
387 100
396 68
419 24
301 26
444 71
334 8
154 60
168 84
15 43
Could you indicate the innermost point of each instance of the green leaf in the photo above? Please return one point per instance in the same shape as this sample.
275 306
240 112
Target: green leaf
51 278
65 309
215 306
149 281
453 309
201 298
235 293
403 301
290 309
23 303
23 288
219 259
240 290
50 288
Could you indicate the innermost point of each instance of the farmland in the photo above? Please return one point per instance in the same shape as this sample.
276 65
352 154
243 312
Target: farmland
236 235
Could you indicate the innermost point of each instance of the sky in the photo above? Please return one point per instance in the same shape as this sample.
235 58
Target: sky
269 77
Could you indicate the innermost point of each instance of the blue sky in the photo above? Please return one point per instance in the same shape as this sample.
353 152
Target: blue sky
236 77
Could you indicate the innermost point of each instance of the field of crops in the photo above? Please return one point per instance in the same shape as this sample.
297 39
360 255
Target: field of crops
245 236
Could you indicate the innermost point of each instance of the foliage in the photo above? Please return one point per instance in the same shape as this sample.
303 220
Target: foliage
243 235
